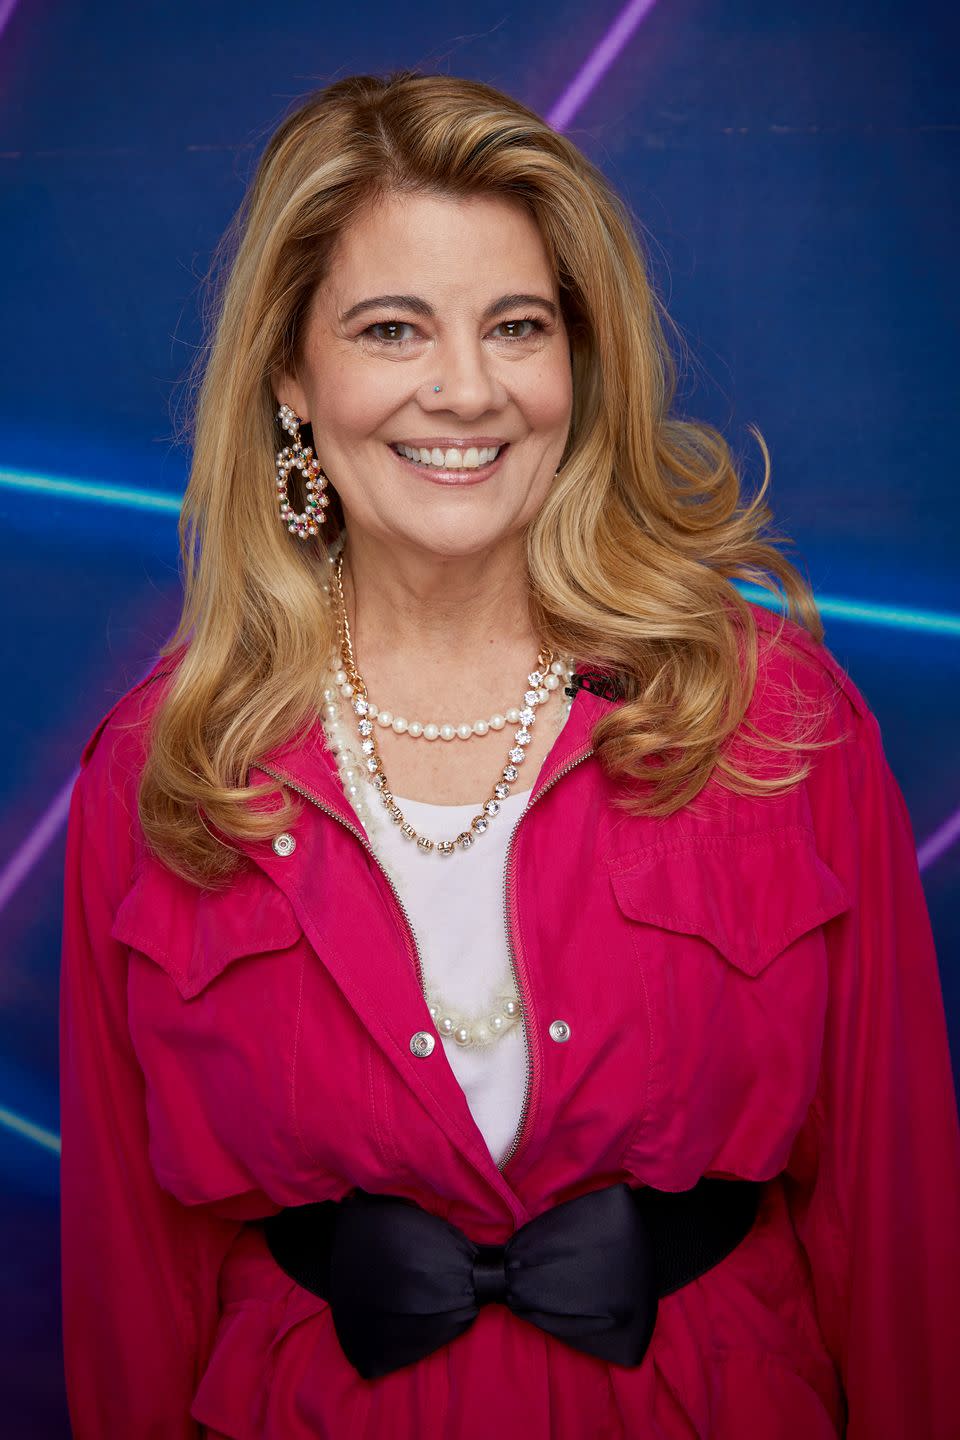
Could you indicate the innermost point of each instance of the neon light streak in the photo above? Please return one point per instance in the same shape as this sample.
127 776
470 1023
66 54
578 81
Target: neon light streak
936 622
22 861
939 842
597 63
29 1131
7 8
92 490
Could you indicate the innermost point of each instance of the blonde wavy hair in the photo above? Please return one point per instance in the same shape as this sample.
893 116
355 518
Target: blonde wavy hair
630 559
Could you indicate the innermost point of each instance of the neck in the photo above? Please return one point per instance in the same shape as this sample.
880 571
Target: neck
439 608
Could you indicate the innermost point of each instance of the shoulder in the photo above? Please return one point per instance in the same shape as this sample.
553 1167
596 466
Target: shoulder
790 660
132 710
115 751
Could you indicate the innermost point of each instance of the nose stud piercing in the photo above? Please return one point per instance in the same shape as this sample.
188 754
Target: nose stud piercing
436 388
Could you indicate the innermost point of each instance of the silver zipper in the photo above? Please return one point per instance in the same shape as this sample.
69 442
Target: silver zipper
524 1012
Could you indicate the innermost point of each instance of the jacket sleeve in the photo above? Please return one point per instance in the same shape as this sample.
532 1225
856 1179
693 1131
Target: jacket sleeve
139 1270
874 1178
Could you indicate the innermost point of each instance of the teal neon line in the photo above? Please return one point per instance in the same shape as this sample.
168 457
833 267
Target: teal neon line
92 490
935 622
834 607
29 1131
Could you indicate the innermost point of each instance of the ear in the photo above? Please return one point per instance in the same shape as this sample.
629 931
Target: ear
287 390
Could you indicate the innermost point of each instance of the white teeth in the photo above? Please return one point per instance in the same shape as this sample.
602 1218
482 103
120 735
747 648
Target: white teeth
452 459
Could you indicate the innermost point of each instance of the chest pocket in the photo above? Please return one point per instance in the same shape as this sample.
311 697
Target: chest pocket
728 934
750 896
213 991
193 934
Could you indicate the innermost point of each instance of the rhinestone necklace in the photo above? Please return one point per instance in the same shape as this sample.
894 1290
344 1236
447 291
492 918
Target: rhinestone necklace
374 765
502 1012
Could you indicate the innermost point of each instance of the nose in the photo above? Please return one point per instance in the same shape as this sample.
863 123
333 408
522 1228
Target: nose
467 379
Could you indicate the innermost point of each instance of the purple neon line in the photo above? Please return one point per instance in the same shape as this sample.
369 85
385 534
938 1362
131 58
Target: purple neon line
7 8
597 63
940 841
20 864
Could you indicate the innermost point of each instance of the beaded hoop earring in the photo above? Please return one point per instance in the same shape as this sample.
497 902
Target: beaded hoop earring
295 457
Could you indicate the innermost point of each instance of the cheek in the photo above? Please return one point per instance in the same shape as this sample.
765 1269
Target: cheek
548 397
353 406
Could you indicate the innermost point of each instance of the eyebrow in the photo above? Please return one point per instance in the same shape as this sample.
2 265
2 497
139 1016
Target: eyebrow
417 306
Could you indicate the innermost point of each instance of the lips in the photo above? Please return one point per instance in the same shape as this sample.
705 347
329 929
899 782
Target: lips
440 475
466 455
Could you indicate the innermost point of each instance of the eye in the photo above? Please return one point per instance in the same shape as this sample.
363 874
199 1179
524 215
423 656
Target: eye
388 325
532 320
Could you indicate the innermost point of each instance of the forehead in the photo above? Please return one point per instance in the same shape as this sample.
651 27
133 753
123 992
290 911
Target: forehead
443 248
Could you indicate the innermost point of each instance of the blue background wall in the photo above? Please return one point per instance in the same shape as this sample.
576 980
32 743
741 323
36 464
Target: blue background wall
794 167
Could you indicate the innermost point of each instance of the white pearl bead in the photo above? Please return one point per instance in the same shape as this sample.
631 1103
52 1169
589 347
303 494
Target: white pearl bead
399 725
372 711
341 677
496 1023
447 732
415 729
543 696
445 1024
464 731
346 690
497 722
431 731
331 711
461 1034
331 696
558 667
481 1034
385 719
481 727
512 715
551 682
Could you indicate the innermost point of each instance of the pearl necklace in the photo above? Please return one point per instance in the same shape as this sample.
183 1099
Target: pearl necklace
431 730
374 765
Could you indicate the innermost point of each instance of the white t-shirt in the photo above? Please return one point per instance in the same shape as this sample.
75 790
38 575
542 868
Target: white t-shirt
455 904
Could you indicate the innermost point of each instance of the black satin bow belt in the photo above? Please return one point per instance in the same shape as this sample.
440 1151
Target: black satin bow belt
401 1282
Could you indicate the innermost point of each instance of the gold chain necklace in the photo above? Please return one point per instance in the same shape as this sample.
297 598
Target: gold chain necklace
374 765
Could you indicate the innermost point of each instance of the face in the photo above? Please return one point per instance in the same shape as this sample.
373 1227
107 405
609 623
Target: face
473 306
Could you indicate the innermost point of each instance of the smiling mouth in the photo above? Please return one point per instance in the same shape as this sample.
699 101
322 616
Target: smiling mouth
472 458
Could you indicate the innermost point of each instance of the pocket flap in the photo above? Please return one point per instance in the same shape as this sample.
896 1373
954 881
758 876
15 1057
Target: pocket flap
750 895
193 934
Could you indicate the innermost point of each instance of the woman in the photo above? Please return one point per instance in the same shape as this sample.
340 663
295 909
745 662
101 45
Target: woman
497 987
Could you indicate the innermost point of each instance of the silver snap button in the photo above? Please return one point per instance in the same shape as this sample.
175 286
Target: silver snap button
284 845
559 1030
422 1043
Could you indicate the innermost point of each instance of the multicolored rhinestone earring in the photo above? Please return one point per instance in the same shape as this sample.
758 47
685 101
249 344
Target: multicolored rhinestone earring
295 457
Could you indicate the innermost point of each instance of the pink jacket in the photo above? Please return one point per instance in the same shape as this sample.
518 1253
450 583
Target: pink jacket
751 989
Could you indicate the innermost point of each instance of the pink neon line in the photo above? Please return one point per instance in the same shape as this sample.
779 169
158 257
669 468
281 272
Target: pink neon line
940 841
7 8
20 864
597 63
